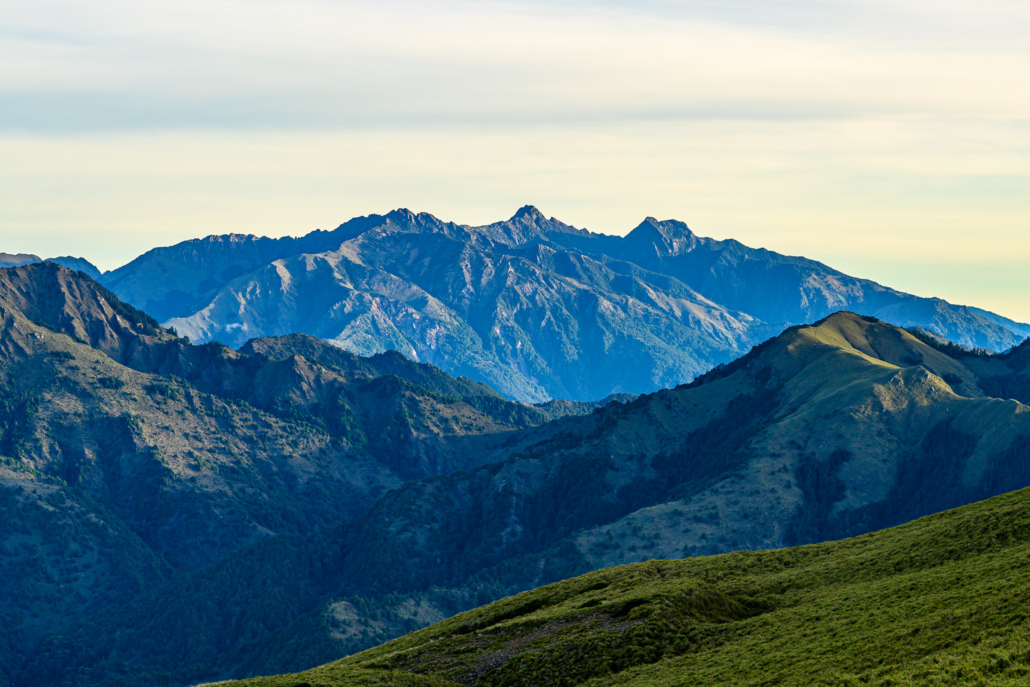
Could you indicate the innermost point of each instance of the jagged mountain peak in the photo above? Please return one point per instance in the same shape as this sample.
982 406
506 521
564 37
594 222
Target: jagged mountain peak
495 303
405 216
418 223
669 237
17 259
529 212
418 219
529 225
231 237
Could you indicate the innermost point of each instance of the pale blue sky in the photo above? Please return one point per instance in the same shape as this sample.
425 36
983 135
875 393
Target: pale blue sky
888 139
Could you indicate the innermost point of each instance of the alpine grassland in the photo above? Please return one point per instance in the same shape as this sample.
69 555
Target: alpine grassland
943 600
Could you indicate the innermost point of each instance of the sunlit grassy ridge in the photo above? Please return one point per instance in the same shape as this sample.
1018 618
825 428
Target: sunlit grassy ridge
941 600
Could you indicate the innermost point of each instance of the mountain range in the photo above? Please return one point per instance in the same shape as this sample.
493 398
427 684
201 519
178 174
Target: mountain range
22 259
175 512
129 457
534 307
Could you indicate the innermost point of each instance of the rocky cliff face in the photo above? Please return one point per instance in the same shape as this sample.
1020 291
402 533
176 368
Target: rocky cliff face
533 307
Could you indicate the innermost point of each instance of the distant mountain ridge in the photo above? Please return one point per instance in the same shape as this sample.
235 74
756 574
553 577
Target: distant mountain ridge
534 307
22 259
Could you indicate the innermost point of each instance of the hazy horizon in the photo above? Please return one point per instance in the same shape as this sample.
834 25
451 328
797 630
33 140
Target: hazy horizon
890 141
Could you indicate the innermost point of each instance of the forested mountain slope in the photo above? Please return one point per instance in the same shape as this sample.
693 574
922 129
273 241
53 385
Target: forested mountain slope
130 458
533 307
826 431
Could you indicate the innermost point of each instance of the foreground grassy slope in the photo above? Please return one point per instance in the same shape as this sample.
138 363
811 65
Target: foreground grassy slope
941 600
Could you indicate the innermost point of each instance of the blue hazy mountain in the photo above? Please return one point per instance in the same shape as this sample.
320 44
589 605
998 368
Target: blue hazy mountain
22 259
533 307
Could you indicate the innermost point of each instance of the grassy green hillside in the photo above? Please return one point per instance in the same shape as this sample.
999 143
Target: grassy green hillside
943 600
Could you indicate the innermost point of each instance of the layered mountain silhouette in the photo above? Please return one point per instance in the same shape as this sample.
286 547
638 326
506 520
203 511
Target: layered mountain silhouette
175 513
129 457
21 259
533 307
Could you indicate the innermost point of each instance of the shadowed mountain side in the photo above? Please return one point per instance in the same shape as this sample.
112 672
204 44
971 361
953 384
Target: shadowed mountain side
535 308
943 600
1002 375
62 300
130 458
386 363
560 408
826 431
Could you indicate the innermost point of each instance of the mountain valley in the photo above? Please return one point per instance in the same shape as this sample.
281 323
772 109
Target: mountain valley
131 458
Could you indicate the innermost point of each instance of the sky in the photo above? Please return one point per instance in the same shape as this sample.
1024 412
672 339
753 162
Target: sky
890 140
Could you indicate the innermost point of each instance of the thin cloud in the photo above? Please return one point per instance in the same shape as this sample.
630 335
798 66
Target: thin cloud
884 138
310 64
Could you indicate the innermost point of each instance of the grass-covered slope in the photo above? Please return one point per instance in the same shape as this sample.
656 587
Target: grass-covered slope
943 600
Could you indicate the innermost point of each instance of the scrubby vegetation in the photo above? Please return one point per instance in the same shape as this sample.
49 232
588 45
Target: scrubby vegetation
944 600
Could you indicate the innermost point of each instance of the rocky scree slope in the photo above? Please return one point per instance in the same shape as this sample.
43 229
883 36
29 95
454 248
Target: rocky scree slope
535 308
